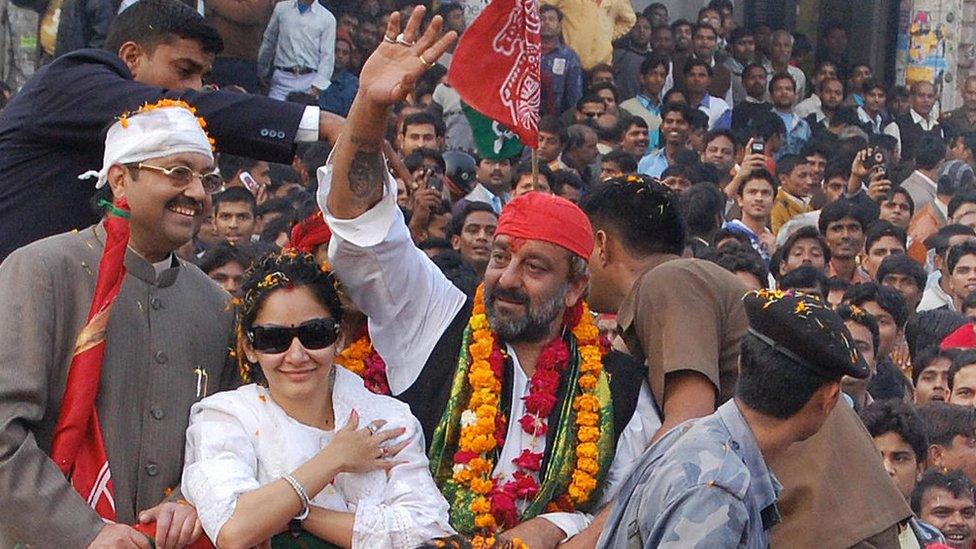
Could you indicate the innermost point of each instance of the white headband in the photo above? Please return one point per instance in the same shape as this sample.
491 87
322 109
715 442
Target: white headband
151 133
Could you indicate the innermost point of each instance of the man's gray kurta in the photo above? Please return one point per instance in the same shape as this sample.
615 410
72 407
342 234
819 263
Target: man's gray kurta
162 330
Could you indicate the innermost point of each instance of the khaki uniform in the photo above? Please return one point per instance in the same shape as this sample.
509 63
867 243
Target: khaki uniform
686 314
835 491
162 329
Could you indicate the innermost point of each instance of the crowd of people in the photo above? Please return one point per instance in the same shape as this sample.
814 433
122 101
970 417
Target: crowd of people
260 288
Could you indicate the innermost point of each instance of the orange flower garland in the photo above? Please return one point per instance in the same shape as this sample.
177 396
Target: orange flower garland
362 359
353 357
480 420
164 103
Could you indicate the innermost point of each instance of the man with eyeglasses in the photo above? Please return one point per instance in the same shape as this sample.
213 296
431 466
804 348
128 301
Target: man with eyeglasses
114 422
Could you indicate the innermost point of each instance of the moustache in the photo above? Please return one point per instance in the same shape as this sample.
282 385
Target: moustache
509 295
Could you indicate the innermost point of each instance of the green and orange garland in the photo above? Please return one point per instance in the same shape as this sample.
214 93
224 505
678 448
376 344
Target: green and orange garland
468 440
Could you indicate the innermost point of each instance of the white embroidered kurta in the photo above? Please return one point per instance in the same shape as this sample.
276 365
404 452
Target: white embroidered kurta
240 440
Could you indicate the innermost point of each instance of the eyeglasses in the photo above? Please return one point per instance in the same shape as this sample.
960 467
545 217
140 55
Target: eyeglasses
181 175
314 334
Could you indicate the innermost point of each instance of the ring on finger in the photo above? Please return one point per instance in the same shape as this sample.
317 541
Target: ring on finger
385 451
425 61
389 40
403 41
372 428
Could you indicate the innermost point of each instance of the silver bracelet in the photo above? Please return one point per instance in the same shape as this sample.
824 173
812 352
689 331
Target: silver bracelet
302 495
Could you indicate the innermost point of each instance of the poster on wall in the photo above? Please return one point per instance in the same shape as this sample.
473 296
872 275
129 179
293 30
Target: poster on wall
928 41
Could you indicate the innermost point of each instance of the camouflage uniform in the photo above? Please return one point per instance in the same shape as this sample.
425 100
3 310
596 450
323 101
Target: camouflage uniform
703 485
18 44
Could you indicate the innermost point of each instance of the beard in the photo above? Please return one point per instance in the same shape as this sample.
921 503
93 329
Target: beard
531 327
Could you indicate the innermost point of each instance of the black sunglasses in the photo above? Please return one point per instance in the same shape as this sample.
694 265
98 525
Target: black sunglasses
314 334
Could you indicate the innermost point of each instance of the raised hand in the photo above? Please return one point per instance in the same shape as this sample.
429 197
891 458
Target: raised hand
393 69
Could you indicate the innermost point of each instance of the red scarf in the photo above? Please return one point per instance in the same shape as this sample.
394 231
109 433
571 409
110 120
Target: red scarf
78 448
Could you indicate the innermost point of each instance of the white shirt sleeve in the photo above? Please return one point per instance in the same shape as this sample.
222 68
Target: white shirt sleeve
308 127
410 510
408 300
220 464
893 130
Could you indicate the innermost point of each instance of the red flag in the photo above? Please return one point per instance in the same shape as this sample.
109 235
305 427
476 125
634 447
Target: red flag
495 68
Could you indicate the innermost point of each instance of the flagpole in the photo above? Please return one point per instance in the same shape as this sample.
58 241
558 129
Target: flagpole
535 167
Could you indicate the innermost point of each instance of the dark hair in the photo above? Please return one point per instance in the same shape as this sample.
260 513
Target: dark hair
969 302
890 195
960 359
945 422
698 120
668 95
773 384
940 240
788 162
624 122
880 229
739 33
274 228
862 317
966 197
702 206
766 124
562 178
639 209
275 205
872 84
741 258
682 108
894 416
807 232
653 60
959 251
624 160
817 146
153 22
423 118
699 26
839 209
416 158
695 62
929 152
549 7
925 358
555 126
221 254
763 175
837 167
230 165
886 298
903 265
588 98
955 482
806 276
281 174
273 272
928 329
753 66
781 76
235 194
458 221
606 86
525 167
681 23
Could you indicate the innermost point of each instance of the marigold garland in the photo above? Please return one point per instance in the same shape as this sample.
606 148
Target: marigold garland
483 428
362 359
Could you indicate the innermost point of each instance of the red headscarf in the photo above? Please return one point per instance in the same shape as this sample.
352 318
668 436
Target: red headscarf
310 233
549 218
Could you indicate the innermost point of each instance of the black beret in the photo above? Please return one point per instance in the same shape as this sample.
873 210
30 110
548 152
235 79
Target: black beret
805 329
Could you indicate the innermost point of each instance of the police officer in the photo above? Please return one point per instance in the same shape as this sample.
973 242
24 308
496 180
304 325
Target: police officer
706 483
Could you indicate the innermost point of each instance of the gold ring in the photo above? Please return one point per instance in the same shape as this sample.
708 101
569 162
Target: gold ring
424 60
403 42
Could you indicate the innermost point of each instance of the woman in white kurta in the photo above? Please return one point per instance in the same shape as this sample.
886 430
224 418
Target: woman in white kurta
268 456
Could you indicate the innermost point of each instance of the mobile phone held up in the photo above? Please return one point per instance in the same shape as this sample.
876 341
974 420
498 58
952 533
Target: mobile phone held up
758 146
250 183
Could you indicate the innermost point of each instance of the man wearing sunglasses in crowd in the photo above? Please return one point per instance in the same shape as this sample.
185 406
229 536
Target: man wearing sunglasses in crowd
164 339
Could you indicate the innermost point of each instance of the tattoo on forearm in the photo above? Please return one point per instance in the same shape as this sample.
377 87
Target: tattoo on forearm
367 174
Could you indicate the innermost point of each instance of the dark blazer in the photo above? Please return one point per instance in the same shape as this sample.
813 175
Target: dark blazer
911 134
54 130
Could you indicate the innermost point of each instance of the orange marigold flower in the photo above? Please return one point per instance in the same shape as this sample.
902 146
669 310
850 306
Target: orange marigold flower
587 450
588 434
480 506
587 382
485 521
589 419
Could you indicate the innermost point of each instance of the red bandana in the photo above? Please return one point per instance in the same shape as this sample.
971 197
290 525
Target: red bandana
549 218
310 233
